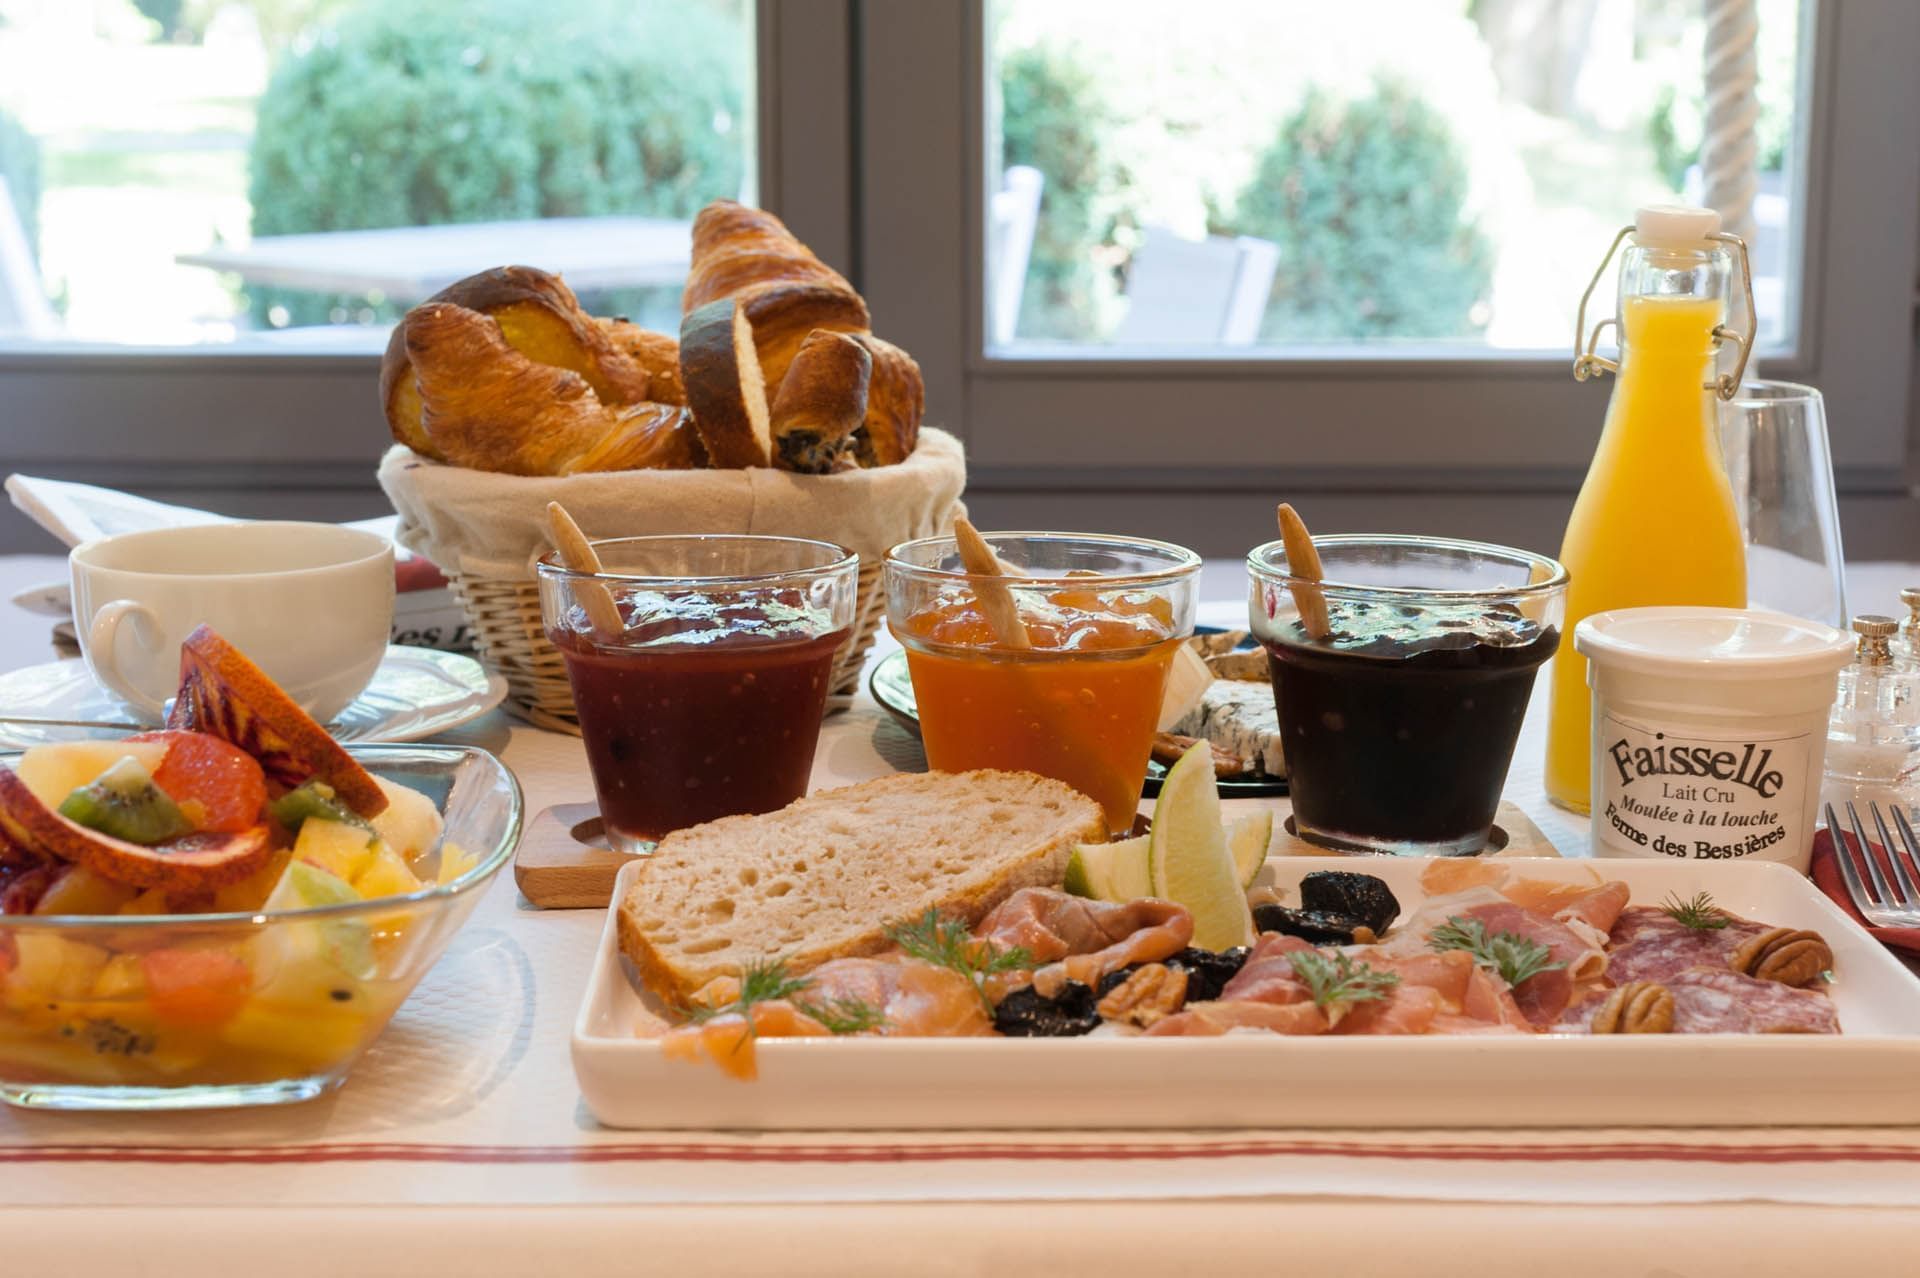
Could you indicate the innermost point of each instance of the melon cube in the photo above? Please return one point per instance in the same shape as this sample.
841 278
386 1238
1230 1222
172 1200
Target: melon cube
386 875
56 770
79 890
342 850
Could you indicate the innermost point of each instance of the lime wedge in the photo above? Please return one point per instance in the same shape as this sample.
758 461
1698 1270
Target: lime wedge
1188 859
1082 878
1109 871
1247 840
1129 878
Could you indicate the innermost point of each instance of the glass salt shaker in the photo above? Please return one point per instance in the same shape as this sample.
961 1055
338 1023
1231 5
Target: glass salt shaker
1909 640
1873 735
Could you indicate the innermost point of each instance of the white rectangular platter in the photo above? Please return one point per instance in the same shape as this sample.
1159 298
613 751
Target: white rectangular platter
1868 1074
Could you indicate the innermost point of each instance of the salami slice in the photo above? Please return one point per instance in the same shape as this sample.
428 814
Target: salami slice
1648 944
1710 1001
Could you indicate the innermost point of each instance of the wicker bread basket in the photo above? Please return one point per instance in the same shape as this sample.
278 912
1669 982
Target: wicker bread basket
485 531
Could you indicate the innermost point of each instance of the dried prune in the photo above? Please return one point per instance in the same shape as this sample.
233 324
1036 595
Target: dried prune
1322 927
1025 1013
1343 892
1208 971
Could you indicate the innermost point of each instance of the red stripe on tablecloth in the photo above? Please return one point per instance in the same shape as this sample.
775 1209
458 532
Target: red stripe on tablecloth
857 1154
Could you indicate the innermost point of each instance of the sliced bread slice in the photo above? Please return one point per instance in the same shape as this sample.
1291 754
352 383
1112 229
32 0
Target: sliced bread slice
826 876
720 372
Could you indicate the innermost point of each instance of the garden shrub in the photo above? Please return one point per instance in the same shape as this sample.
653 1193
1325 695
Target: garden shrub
440 111
1366 200
1053 117
20 167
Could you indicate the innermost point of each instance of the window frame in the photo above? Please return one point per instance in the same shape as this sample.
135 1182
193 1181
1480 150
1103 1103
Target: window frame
272 432
1490 422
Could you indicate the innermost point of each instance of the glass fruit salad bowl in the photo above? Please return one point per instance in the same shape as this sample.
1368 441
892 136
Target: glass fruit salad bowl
229 911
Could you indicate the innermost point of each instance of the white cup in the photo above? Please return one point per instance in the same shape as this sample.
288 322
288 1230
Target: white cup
310 604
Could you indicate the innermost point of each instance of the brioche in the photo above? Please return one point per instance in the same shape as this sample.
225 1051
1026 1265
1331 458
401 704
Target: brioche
820 404
658 353
896 401
487 406
828 875
539 317
749 255
721 373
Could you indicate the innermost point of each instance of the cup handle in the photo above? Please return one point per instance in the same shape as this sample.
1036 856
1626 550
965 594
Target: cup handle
103 631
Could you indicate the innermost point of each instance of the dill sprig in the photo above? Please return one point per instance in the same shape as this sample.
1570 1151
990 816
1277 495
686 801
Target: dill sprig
1514 957
1700 914
947 943
846 1015
765 982
760 982
1336 982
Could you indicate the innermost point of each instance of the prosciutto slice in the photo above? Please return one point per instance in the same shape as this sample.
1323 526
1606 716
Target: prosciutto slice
1267 976
1080 940
1222 1015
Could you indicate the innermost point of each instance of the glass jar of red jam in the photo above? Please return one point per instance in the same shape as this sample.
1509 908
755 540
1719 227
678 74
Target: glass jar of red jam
705 699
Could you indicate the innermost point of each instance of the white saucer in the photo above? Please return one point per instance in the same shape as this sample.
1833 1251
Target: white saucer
416 693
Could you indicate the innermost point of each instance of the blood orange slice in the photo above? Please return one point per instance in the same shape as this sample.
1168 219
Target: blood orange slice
224 780
197 863
224 693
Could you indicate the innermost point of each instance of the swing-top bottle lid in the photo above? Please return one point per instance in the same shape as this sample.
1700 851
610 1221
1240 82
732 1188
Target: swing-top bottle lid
1674 225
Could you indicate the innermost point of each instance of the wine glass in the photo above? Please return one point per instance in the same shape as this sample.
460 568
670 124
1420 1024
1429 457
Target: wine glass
1774 435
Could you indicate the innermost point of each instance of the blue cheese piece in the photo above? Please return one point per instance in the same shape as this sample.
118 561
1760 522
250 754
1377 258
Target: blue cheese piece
1237 715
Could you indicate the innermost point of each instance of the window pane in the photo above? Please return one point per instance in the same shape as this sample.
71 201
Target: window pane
290 174
1292 176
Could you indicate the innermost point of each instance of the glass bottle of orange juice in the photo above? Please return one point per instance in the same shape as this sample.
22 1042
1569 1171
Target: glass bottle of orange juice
1655 522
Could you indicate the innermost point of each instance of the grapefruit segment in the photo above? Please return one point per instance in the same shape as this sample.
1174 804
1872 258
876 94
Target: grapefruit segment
222 692
194 864
223 779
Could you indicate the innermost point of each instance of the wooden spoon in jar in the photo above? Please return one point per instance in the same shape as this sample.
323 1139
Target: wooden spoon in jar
1303 565
577 553
996 601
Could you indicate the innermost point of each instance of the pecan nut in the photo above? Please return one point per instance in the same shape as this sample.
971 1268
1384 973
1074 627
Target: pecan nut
1638 1007
1151 993
1784 954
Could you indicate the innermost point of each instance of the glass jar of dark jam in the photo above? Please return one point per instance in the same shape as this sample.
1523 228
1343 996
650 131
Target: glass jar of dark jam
1399 720
705 699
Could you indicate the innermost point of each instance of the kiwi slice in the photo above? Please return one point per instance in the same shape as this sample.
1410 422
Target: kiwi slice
124 802
314 799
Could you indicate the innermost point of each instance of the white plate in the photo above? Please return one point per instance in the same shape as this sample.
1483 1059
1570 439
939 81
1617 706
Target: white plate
1865 1075
415 693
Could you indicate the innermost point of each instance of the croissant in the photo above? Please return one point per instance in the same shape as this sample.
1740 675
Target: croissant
658 353
820 405
486 405
896 401
750 256
538 316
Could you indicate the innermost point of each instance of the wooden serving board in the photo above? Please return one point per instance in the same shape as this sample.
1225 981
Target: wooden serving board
564 862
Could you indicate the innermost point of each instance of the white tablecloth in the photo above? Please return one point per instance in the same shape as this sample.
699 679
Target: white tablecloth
460 1142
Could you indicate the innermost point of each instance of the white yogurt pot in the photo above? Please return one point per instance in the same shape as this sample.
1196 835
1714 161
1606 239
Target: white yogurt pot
1709 731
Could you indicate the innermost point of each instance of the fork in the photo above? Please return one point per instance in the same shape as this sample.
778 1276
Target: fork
1893 902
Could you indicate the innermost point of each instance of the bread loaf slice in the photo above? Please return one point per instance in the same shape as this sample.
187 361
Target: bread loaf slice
826 876
720 372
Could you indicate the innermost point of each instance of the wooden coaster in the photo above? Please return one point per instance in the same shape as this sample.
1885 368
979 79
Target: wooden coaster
564 862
